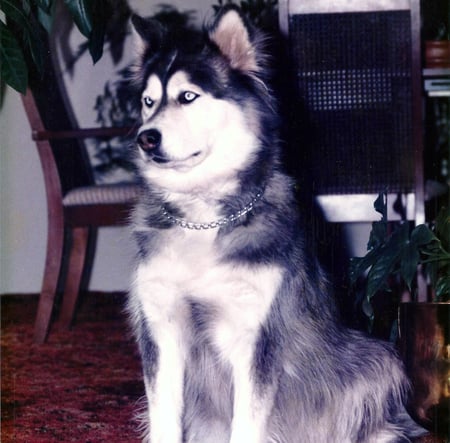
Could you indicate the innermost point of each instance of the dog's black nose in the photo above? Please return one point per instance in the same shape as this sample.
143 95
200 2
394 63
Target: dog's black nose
149 140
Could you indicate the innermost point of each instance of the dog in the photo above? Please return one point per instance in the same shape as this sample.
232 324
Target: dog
235 324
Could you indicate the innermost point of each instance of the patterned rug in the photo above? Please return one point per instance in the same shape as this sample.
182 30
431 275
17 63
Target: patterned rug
82 386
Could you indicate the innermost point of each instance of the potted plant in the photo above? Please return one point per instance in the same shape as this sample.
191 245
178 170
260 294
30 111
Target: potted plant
25 23
398 256
436 34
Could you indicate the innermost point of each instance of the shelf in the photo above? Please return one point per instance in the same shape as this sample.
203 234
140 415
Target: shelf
436 82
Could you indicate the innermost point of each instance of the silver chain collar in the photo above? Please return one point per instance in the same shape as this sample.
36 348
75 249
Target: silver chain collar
214 224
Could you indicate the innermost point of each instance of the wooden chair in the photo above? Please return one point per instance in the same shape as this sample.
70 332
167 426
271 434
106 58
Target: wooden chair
76 206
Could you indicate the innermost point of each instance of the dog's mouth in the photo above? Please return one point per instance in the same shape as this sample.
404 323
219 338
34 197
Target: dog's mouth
167 162
160 159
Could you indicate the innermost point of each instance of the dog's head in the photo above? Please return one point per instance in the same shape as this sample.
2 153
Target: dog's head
204 104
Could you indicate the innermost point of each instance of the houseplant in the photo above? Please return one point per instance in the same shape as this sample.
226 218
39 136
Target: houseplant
396 251
398 255
26 22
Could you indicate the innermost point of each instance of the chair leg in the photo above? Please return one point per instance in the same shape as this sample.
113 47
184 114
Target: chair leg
77 258
53 261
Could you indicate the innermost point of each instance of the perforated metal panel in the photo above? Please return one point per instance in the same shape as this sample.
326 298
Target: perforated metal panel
354 75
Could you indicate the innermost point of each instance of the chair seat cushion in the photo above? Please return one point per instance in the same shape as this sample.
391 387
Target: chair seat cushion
102 194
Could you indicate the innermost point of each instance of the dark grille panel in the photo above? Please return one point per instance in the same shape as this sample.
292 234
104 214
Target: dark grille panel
354 74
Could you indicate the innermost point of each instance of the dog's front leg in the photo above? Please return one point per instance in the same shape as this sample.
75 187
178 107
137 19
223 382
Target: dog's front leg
165 392
253 396
164 376
253 400
241 339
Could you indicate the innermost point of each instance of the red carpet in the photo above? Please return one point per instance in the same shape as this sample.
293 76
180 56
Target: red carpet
81 386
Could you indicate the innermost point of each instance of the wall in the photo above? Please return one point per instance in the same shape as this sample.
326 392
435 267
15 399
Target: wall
23 225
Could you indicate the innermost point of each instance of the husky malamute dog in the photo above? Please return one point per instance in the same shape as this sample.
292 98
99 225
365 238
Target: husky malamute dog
235 326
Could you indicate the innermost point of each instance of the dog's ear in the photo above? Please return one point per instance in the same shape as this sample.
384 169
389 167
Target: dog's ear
148 33
231 35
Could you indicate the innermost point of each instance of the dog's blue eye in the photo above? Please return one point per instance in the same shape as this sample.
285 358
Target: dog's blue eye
148 102
187 97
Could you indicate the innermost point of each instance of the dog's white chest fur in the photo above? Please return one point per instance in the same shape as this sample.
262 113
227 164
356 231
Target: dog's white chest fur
235 300
188 269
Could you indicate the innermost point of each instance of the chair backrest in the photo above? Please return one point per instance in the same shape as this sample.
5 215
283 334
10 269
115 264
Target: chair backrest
70 156
357 66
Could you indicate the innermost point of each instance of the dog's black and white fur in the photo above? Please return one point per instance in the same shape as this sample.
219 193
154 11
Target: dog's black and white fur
235 325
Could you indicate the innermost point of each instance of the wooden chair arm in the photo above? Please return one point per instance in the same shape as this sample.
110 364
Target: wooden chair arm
81 133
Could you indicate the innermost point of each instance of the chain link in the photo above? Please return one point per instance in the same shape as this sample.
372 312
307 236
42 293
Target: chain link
214 224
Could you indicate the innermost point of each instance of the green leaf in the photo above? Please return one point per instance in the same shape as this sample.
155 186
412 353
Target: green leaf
393 336
432 249
356 268
29 27
13 68
408 264
96 45
380 271
45 18
367 308
385 264
377 235
79 10
380 205
14 12
100 18
33 42
422 235
442 227
26 6
400 236
442 288
45 5
358 265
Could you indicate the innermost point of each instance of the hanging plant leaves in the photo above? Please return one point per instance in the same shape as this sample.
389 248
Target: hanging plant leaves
24 22
13 11
100 14
80 12
13 68
26 28
34 43
45 17
45 5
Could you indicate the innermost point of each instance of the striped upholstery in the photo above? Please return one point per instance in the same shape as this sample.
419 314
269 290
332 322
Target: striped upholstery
102 194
